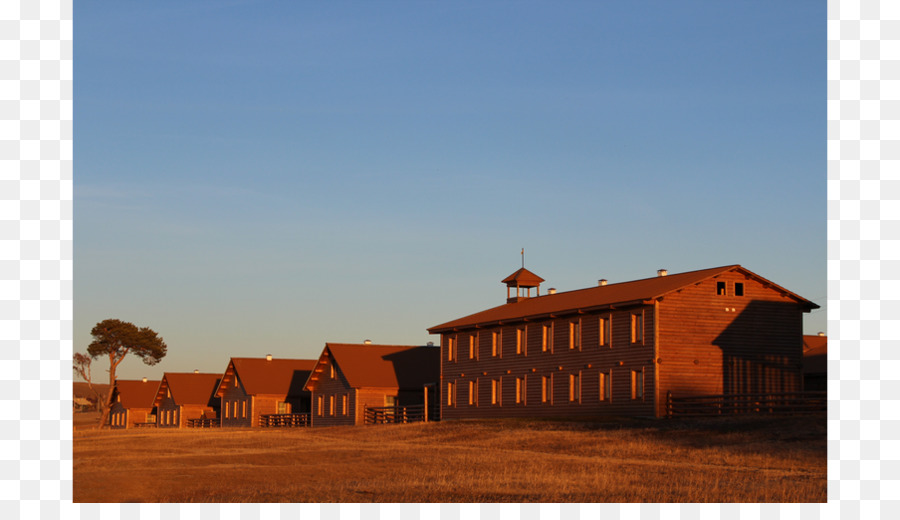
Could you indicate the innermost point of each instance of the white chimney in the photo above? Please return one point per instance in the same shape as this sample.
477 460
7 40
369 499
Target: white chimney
822 334
662 272
144 380
268 357
601 282
552 290
367 342
430 343
196 371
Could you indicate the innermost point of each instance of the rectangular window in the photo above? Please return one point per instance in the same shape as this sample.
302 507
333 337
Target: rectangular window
520 390
320 409
637 328
495 391
720 288
451 389
495 343
738 289
244 409
604 386
575 335
547 389
637 384
575 387
345 404
227 415
473 393
605 332
331 405
520 341
451 348
473 346
547 338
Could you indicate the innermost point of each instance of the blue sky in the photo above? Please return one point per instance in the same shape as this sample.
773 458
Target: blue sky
256 178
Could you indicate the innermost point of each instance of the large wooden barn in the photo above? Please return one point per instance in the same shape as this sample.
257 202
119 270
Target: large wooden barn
132 403
349 377
252 387
620 348
182 397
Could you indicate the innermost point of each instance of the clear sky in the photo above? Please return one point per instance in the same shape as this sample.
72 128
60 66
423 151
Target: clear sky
259 178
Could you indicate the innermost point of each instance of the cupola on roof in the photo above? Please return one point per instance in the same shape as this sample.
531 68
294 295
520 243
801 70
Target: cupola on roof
522 279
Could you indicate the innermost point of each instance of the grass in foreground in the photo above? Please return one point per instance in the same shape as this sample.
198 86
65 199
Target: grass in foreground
753 459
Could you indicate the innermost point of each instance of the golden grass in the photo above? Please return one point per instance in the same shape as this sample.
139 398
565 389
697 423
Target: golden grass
722 460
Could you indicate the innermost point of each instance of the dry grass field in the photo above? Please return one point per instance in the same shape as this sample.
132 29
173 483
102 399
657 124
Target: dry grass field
722 460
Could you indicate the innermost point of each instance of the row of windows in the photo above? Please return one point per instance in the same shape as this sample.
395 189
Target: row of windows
722 289
235 410
320 405
167 417
547 389
547 331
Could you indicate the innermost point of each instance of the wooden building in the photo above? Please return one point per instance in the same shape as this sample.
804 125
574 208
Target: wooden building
132 403
182 397
252 387
349 377
815 363
620 348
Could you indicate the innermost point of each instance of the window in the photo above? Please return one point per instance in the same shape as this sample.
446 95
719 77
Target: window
720 288
575 334
390 400
575 387
473 346
451 348
244 409
345 404
282 407
332 369
637 384
520 390
320 409
495 344
547 338
605 386
738 289
547 389
637 328
227 415
236 410
450 386
473 393
331 405
495 391
605 332
520 340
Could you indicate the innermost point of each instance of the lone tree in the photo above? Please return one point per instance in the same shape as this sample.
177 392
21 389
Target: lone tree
116 339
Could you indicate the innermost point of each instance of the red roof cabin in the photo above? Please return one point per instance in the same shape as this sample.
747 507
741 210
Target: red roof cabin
255 387
184 397
348 378
132 403
620 348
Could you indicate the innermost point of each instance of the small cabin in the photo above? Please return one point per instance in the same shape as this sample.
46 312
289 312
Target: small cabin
349 378
815 362
184 397
132 403
252 388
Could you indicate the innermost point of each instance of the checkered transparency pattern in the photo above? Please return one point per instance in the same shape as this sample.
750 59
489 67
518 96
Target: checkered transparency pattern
35 258
863 259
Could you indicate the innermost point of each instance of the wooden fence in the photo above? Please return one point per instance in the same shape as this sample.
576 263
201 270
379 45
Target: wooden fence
710 405
398 414
203 423
284 420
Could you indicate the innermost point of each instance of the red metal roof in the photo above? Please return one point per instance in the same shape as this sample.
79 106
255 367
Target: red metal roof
382 366
273 377
188 388
815 354
618 294
523 278
135 393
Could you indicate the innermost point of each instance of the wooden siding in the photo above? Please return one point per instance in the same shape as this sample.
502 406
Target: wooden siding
236 400
123 418
336 388
727 344
559 361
